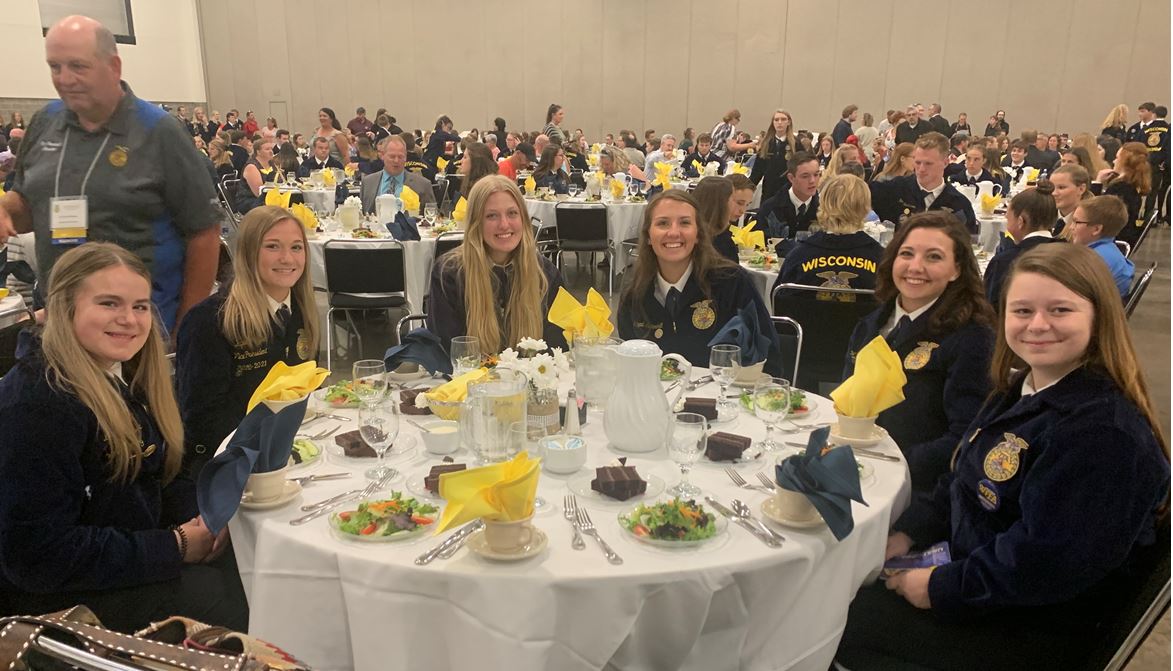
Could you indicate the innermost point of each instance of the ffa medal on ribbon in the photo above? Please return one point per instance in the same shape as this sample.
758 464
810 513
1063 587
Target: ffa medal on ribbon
988 495
703 315
303 345
118 157
1002 462
919 357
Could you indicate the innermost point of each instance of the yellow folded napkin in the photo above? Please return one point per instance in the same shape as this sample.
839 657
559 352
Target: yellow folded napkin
617 187
592 320
596 147
592 160
276 198
441 163
286 383
503 492
663 176
460 210
747 238
456 389
739 169
990 202
304 215
531 187
411 199
1032 175
328 177
876 384
348 170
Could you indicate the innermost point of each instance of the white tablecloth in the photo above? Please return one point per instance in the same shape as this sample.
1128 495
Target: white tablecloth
763 280
991 228
417 258
733 604
623 222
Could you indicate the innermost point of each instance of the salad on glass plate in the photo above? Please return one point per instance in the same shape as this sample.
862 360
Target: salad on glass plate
341 395
385 520
800 405
675 523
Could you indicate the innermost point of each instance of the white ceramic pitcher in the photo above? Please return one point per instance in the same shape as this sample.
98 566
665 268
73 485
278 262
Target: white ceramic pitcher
638 416
386 207
988 188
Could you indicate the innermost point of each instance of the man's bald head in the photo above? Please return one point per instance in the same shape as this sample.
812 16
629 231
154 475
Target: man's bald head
85 67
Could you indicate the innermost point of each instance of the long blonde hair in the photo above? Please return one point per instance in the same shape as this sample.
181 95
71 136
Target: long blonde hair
1088 142
836 162
1109 351
768 134
245 316
524 312
70 368
1117 118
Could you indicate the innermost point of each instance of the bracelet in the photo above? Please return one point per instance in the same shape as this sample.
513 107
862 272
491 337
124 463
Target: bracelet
182 541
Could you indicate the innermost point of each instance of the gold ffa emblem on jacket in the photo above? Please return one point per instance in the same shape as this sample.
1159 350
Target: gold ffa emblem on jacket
303 346
836 280
1003 461
118 156
703 315
919 357
1154 140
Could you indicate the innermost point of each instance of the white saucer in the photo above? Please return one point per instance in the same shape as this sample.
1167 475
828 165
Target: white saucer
288 493
477 544
771 512
878 434
408 377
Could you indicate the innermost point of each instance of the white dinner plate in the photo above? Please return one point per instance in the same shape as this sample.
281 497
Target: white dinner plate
580 485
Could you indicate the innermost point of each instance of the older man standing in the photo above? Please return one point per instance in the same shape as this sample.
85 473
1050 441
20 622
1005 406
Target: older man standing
393 178
101 164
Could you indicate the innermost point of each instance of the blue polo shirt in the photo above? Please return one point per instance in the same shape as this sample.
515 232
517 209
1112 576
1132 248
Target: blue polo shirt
1121 268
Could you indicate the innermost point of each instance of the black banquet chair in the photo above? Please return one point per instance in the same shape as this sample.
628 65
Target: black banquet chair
1138 289
582 227
362 275
828 316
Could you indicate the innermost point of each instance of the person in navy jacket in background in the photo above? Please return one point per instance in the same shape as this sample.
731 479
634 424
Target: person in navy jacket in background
926 190
935 317
1028 223
1053 499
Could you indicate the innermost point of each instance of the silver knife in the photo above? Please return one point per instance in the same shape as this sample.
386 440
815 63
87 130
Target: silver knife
458 537
858 450
743 523
455 547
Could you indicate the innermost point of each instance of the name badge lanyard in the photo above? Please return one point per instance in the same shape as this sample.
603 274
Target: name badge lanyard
69 216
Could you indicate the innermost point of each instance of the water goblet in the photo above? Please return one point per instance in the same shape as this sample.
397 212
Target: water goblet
466 354
430 214
573 190
370 379
379 427
690 433
771 404
724 361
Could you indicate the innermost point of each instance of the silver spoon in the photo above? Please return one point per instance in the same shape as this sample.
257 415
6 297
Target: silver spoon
743 511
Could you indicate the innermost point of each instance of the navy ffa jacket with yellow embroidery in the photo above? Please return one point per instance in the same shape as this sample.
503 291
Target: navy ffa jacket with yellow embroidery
948 380
898 198
698 317
830 260
694 163
1048 498
999 266
215 379
1155 137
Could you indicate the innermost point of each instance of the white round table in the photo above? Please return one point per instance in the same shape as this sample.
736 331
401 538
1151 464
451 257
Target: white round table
732 604
991 228
417 258
764 280
623 222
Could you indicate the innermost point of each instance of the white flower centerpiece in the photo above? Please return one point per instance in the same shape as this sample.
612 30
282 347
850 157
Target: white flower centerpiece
544 367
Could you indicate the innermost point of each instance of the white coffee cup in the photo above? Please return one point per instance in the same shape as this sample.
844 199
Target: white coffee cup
857 427
794 506
261 487
509 537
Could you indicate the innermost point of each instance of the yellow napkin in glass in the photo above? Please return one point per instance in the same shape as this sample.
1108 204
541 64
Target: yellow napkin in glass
456 389
286 383
990 202
304 215
876 384
441 163
592 160
592 320
663 176
1033 175
596 147
531 187
328 177
411 199
747 238
348 170
739 169
460 210
502 492
617 187
277 199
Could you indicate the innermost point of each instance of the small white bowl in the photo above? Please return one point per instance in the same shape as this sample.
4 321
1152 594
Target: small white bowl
563 454
441 436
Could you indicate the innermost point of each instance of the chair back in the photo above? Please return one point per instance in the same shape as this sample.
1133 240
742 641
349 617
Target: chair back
1124 247
440 188
790 337
828 316
364 267
581 222
446 242
228 189
1144 232
1138 289
1142 597
409 324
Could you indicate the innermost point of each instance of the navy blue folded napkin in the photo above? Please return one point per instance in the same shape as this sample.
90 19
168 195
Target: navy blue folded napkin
829 480
420 346
745 331
403 228
262 443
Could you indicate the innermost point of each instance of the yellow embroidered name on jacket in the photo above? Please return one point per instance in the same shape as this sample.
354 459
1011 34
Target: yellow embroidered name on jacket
849 261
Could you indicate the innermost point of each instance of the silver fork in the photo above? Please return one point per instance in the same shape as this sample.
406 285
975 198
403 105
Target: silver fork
766 481
704 379
324 434
588 527
339 500
569 508
306 479
740 481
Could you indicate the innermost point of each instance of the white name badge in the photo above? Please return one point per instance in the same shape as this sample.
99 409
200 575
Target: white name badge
68 220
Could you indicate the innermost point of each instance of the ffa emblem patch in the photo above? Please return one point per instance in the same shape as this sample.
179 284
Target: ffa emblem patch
1002 462
703 315
149 451
1154 139
658 333
919 357
836 280
118 157
303 345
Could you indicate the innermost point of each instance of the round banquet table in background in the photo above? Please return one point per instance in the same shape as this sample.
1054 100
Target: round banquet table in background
417 258
731 604
763 281
623 222
991 227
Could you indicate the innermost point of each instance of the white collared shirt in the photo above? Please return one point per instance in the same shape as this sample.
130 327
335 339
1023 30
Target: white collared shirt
116 371
796 202
899 312
1037 234
1028 388
933 193
274 306
663 285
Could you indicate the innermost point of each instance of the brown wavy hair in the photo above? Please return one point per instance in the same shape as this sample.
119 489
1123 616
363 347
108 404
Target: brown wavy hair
964 299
